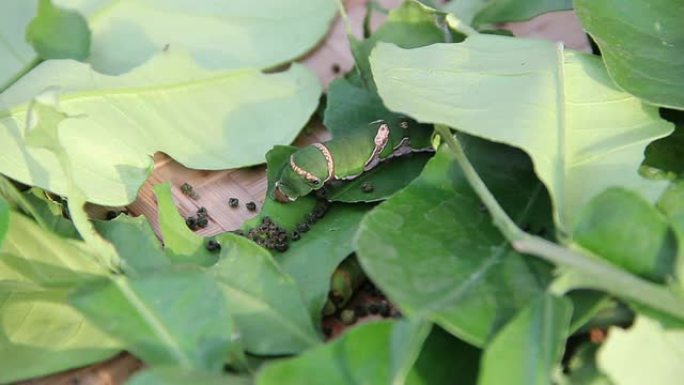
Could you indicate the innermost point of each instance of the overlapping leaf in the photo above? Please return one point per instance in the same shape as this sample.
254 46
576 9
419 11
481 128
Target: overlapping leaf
232 34
647 353
642 43
16 54
40 332
529 348
375 353
266 303
477 12
173 317
621 227
434 252
582 132
204 119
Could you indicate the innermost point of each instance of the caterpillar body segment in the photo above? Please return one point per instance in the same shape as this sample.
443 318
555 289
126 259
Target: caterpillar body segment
348 156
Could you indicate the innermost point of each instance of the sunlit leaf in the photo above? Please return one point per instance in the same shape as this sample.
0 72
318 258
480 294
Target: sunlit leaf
582 133
16 54
646 353
204 119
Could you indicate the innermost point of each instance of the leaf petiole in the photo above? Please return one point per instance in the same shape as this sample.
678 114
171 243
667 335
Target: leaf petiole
596 273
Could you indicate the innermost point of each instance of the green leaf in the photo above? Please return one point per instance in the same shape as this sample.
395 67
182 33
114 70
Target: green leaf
178 376
372 353
621 227
386 178
114 123
477 12
411 25
582 133
136 243
311 260
34 256
58 33
16 54
4 219
443 360
183 244
435 253
663 156
530 346
671 203
265 302
234 34
41 334
349 107
646 353
176 317
642 48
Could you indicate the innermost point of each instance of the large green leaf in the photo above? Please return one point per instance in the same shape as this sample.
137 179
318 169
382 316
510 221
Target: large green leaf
41 334
178 376
642 43
136 243
349 107
476 12
312 259
619 226
528 349
32 255
582 132
436 253
647 353
58 33
16 54
228 34
375 353
114 123
266 303
411 25
174 317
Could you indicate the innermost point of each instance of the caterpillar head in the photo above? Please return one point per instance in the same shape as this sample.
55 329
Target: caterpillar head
289 186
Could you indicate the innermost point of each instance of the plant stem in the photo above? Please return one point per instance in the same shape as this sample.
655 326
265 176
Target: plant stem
596 273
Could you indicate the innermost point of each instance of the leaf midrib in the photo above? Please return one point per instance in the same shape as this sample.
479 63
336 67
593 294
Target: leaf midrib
157 326
248 297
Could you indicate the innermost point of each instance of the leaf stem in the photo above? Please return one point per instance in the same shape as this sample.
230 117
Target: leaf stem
27 68
595 272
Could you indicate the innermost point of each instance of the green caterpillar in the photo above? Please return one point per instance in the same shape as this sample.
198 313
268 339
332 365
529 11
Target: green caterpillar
348 156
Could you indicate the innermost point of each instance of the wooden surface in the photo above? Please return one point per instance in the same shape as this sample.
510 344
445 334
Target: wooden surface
216 187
